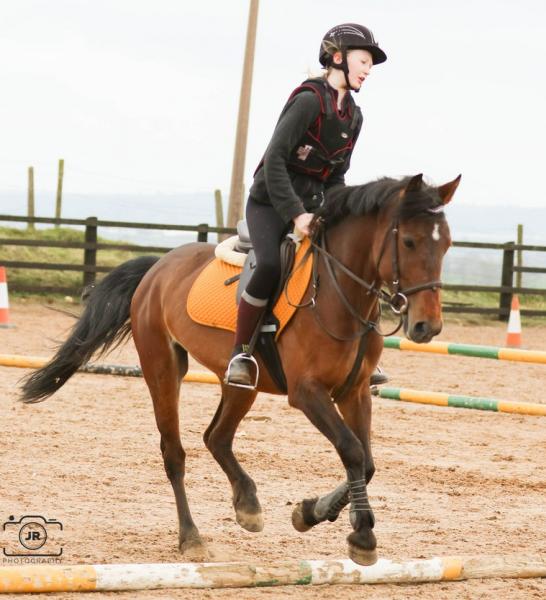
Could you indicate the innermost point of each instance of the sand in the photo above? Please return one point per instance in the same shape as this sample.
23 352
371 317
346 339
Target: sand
448 481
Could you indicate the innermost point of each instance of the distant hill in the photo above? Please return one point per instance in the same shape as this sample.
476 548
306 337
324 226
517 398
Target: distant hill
497 223
493 224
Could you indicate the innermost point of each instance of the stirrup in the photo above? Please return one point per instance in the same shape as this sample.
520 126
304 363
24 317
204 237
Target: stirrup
243 357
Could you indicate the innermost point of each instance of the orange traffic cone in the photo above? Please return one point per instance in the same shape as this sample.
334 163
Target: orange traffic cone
4 302
513 335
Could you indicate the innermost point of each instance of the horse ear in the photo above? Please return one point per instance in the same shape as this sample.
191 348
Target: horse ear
447 190
415 183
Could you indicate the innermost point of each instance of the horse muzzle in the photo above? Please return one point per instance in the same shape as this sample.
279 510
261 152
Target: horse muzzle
421 331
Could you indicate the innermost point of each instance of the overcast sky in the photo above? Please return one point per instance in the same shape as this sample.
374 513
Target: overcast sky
141 96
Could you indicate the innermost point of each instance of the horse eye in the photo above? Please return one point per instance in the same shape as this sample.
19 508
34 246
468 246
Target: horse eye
409 243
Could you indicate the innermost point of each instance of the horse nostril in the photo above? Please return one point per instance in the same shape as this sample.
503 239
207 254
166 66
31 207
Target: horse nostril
420 330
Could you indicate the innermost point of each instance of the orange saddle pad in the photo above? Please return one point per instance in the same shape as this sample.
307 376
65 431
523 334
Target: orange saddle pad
214 304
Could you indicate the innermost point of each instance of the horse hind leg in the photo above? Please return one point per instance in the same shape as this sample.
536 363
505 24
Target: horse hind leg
163 370
234 405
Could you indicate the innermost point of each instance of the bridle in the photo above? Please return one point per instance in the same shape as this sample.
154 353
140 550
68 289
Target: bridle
396 298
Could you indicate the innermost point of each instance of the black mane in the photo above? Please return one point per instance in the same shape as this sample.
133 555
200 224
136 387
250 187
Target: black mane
369 198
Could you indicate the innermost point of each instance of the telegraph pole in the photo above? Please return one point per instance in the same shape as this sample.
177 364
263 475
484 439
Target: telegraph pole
236 200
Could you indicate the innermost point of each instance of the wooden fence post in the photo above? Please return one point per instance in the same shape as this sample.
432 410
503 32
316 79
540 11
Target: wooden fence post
59 200
90 254
506 280
519 256
219 208
219 213
202 232
30 200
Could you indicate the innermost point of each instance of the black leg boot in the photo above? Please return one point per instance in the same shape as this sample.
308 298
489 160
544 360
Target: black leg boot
379 377
243 368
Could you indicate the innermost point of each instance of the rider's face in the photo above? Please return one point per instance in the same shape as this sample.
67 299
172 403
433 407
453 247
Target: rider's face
360 64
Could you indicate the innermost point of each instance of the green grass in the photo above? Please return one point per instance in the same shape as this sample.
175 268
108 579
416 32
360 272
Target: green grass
485 299
74 279
489 300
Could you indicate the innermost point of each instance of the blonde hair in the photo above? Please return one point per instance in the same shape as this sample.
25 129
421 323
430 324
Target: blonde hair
330 48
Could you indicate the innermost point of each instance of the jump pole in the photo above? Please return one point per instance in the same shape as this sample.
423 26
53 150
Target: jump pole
439 399
36 362
119 577
494 352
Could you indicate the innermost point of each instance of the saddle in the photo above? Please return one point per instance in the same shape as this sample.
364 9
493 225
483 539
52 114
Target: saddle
214 295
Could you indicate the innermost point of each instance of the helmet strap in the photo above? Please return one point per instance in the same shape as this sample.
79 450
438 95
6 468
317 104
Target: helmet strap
344 66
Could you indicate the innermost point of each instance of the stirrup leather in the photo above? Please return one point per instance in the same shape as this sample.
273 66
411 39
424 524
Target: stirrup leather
244 357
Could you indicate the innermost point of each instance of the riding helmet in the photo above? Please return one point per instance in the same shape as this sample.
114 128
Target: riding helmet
346 37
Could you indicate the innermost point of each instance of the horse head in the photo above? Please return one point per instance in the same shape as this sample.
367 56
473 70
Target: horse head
410 254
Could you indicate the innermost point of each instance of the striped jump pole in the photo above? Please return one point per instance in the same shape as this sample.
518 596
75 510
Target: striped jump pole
37 362
439 399
123 577
494 352
190 377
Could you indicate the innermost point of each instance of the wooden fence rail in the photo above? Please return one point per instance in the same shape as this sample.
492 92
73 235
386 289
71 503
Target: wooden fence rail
89 267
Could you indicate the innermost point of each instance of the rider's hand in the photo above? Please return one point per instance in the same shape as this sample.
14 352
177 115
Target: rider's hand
302 222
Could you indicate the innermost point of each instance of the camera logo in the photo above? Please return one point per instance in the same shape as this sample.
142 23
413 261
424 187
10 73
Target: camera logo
32 535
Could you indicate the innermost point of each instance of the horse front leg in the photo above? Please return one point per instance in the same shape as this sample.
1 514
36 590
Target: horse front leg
357 413
312 398
313 511
356 410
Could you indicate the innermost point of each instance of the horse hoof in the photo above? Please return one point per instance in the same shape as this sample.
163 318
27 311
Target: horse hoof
250 521
361 556
194 550
297 519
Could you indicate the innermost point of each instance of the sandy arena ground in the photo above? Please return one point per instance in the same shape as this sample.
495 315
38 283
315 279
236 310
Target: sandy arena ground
448 481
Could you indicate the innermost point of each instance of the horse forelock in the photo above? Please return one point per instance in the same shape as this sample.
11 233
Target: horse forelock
425 202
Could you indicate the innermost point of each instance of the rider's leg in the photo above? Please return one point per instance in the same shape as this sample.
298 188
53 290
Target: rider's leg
249 313
241 367
266 230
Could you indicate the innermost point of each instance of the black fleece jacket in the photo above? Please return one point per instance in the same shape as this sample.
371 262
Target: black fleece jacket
291 193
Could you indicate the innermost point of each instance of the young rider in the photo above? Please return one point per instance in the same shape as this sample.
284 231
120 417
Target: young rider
309 152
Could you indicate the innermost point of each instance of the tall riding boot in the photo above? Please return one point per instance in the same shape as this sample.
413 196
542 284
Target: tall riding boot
242 368
379 377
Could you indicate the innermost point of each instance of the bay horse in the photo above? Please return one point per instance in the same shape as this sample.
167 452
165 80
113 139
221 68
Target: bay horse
389 231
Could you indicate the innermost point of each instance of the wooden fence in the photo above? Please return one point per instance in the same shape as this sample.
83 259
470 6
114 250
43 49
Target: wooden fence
91 246
506 289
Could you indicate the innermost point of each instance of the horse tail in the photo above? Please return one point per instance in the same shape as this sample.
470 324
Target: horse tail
103 325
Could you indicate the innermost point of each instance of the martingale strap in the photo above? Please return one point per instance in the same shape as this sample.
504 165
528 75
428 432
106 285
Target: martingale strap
351 377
